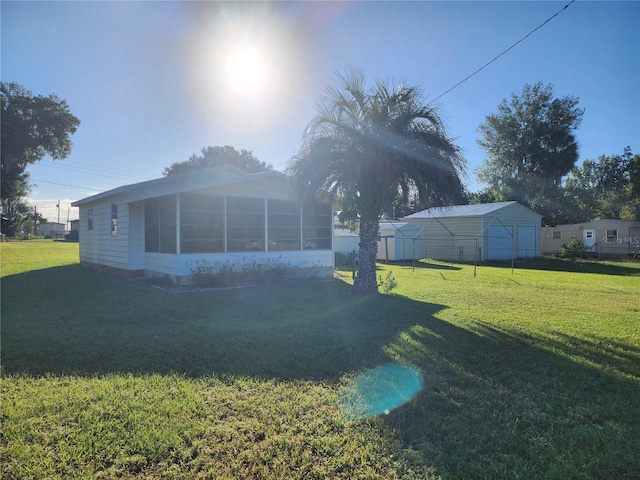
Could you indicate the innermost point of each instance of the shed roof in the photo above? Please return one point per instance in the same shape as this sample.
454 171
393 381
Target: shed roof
475 210
185 182
344 232
397 226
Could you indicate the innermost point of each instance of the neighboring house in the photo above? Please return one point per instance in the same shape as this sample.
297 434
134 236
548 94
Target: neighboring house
486 231
214 219
398 241
601 237
53 230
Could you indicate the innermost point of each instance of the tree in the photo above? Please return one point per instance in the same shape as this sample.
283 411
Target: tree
603 188
530 144
214 156
371 147
634 177
32 127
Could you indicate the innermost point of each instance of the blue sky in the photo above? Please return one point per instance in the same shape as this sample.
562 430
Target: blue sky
151 84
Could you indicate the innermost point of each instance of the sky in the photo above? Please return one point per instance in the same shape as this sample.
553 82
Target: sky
155 82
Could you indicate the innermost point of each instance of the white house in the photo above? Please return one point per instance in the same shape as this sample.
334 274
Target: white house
54 230
398 241
217 219
601 237
486 231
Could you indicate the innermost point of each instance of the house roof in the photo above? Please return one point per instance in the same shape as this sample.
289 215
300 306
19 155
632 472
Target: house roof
475 210
185 182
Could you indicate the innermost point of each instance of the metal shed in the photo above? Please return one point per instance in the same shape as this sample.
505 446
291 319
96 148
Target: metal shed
398 241
479 232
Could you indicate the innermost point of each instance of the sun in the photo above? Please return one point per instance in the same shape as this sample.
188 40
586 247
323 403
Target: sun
247 70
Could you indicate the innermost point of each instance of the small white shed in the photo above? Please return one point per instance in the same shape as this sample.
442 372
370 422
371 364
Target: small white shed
345 240
398 241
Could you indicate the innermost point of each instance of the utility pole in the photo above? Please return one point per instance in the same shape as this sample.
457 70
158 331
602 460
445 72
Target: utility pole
58 207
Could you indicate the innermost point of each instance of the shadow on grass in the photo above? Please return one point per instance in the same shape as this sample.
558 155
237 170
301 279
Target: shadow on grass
69 320
426 265
562 265
496 400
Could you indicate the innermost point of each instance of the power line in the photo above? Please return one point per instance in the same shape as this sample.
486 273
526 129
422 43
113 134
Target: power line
65 185
89 171
501 54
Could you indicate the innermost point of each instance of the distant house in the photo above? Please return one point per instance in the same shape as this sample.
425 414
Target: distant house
486 231
606 237
217 219
398 241
53 230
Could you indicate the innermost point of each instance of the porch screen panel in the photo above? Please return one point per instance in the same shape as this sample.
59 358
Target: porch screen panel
201 223
152 225
245 224
283 222
316 226
160 224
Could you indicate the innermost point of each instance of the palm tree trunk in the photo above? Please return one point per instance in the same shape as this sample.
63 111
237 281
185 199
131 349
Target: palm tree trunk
366 281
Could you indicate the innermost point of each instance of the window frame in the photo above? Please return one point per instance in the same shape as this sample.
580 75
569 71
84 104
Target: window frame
114 220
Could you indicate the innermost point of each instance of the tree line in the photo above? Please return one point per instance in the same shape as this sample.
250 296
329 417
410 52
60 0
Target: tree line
532 153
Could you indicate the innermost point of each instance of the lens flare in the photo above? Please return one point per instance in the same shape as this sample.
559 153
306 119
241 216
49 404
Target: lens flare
380 390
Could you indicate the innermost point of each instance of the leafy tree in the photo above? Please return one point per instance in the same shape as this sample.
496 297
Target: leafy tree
632 211
32 127
603 188
530 144
371 147
214 156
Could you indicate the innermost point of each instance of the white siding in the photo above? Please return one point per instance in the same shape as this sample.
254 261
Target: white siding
98 246
346 245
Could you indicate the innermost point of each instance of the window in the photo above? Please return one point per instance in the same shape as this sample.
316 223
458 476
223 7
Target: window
245 224
612 236
283 220
90 219
160 224
201 223
114 219
316 227
557 235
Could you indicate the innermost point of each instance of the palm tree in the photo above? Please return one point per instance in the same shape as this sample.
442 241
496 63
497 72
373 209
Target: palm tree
372 147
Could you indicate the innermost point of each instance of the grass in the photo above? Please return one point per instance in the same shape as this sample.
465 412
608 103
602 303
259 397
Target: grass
530 374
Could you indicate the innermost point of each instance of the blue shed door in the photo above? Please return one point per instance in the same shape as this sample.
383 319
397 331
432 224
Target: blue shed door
527 242
500 242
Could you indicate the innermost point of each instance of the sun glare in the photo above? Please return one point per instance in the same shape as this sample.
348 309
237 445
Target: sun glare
247 70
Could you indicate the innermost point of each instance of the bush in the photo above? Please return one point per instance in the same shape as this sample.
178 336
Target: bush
220 275
572 250
388 283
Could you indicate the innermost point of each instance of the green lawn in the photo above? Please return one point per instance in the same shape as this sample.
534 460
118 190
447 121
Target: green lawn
531 374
